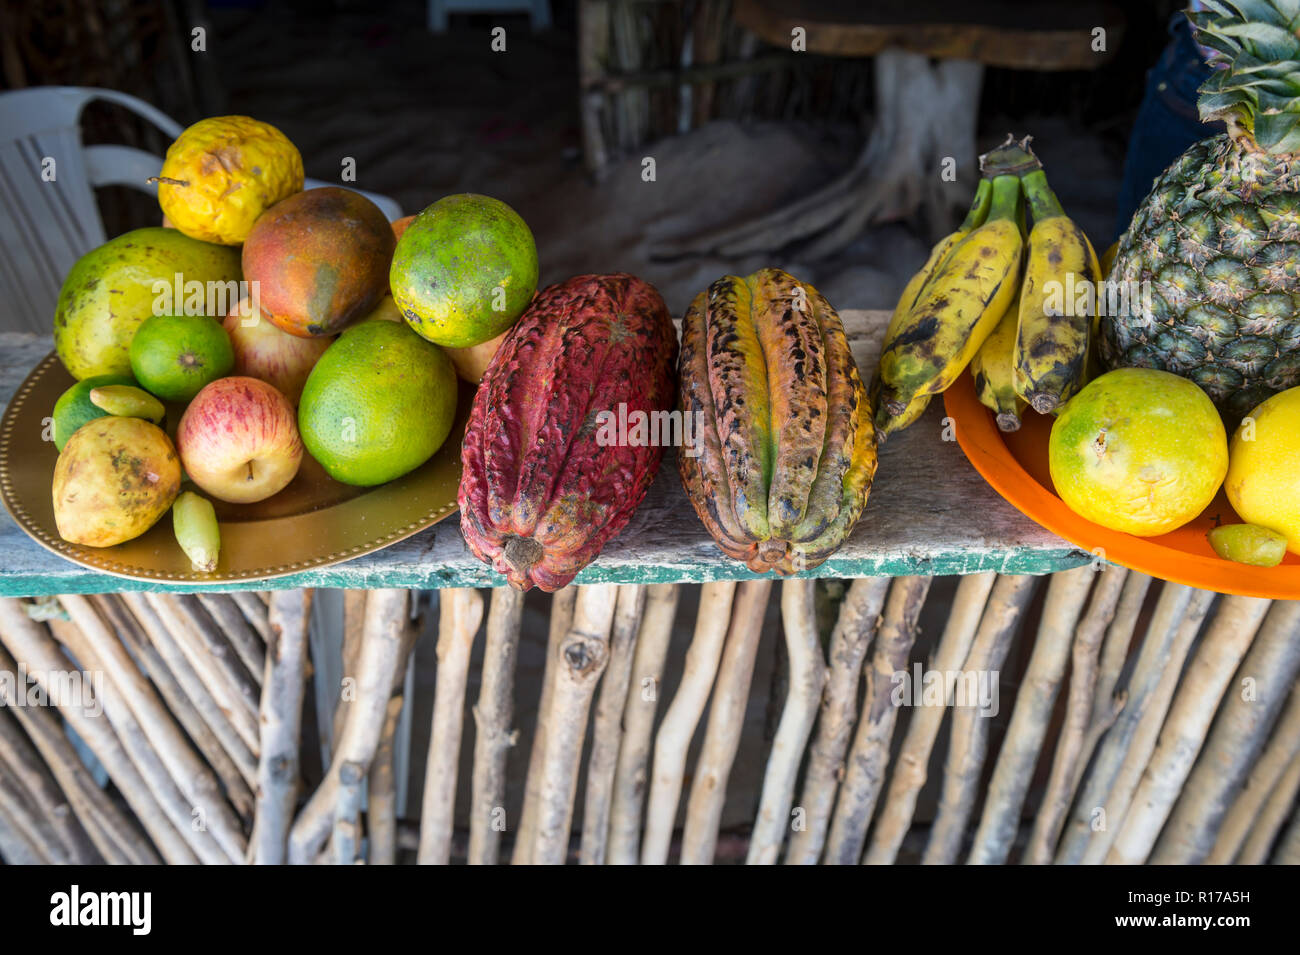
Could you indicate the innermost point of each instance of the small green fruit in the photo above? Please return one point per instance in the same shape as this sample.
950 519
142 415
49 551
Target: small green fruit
1248 544
74 407
174 356
128 401
194 521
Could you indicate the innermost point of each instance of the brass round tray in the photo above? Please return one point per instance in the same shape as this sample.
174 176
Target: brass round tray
313 522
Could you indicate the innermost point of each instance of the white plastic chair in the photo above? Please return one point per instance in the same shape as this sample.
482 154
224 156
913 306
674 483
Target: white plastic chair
48 214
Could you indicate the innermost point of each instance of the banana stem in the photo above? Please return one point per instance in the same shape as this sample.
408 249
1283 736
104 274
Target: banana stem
1006 198
979 207
1043 203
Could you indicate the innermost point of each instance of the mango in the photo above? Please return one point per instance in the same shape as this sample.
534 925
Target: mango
114 288
320 260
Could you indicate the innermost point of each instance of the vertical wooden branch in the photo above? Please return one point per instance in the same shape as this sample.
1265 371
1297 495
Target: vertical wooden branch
969 738
354 628
562 604
583 657
638 723
1143 742
460 611
726 720
1248 810
132 635
383 649
1011 775
807 679
176 663
1139 808
864 773
247 644
493 716
1288 847
347 827
910 772
118 833
607 729
1247 714
32 783
1078 716
283 686
1090 805
382 782
855 627
236 701
254 606
681 718
1272 817
194 779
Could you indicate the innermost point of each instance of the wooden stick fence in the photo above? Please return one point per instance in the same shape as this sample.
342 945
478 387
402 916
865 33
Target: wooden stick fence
1148 722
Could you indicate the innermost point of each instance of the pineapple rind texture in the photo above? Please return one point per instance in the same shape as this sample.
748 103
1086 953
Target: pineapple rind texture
1218 239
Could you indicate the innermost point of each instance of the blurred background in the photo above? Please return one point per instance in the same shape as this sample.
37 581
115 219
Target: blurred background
557 108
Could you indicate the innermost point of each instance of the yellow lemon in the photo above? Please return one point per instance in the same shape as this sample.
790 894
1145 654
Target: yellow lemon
222 173
1263 481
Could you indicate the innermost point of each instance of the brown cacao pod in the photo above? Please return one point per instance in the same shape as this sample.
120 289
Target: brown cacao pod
543 485
785 449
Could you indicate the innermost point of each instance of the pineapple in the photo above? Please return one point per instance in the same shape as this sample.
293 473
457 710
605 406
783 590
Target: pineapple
1218 238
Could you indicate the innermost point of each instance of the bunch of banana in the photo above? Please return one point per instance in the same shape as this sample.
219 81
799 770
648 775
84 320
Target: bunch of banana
1058 303
885 422
932 339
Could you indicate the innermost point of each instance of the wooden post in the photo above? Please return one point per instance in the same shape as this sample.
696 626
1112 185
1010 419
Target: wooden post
608 729
969 738
807 680
910 772
583 657
859 615
384 646
460 612
638 723
493 733
1078 716
1184 729
864 774
283 686
683 715
1247 714
726 720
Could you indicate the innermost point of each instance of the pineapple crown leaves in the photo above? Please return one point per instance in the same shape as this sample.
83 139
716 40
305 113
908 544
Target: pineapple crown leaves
1255 49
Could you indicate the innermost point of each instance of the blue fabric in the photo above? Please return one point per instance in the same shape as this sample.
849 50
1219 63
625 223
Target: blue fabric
1167 121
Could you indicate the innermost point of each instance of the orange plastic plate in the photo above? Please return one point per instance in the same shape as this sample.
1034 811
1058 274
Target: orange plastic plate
1015 464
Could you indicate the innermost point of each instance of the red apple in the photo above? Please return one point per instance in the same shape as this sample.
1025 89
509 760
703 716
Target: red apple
238 440
276 357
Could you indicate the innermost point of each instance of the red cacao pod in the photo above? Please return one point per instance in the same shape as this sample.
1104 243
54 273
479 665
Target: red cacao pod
542 487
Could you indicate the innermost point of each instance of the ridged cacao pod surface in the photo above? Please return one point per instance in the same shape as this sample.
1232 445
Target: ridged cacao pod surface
786 449
543 488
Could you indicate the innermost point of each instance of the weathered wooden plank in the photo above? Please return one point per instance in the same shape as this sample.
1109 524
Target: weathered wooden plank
929 513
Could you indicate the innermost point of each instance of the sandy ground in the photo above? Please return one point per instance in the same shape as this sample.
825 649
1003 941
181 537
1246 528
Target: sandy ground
424 116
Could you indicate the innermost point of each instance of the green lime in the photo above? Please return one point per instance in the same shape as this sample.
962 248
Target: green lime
74 407
464 270
378 404
174 356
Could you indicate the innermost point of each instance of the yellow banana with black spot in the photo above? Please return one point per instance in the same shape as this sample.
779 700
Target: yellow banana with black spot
1057 303
979 211
886 423
992 369
958 308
